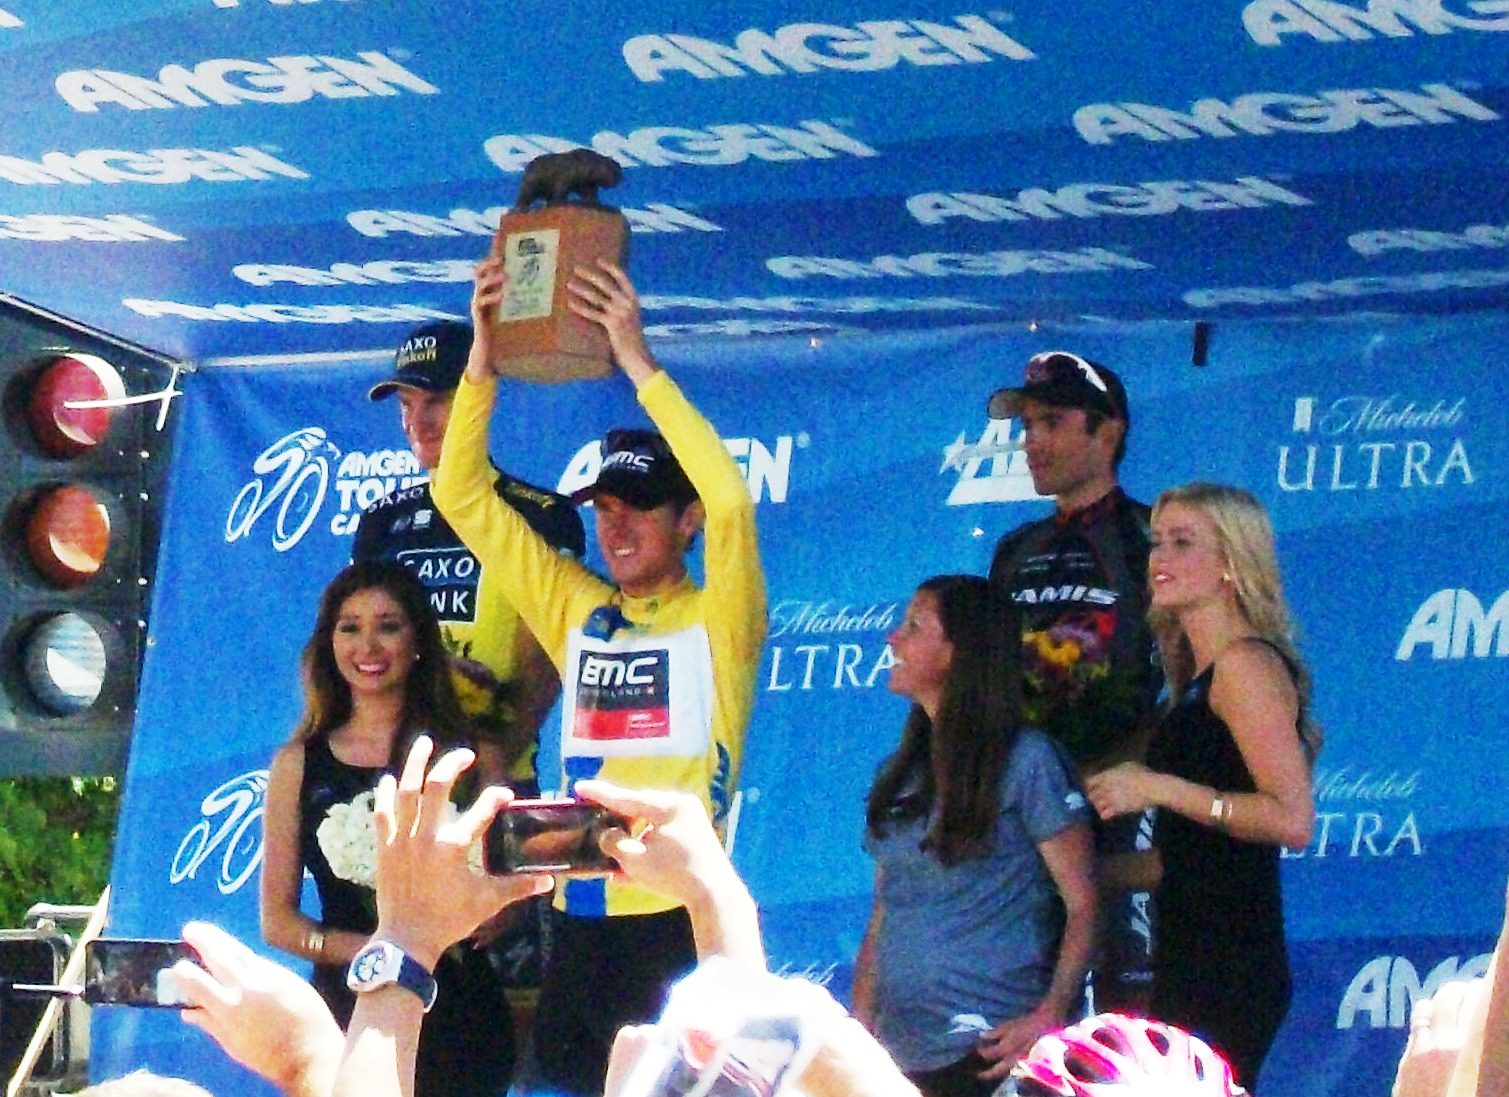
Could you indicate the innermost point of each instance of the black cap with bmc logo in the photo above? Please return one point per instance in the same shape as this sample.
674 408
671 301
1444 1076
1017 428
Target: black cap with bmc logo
432 359
1063 380
639 468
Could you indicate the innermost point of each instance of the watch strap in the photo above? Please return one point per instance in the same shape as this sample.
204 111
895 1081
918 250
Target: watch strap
382 963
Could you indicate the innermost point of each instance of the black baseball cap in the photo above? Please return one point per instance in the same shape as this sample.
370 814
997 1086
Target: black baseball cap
432 359
639 468
1064 380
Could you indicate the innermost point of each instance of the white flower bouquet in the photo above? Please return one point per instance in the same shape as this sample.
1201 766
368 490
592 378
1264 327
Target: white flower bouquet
348 839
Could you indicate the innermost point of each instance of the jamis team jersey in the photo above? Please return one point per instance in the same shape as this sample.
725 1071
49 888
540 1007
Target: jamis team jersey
480 626
1089 675
656 691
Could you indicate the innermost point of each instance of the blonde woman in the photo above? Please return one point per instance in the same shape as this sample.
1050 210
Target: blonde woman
1228 771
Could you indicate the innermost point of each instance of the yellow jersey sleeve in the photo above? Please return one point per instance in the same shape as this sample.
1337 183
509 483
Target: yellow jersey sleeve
550 592
733 589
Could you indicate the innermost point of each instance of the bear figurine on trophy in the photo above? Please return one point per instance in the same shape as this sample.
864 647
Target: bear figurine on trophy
543 339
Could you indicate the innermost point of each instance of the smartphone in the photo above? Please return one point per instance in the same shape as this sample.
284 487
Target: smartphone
134 972
555 836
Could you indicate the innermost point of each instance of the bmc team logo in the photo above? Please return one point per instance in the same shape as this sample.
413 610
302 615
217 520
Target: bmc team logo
623 695
767 469
1453 624
1383 994
228 834
1373 443
991 469
292 478
803 48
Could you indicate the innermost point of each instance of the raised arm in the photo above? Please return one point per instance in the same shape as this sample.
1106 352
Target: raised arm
733 579
548 590
261 1014
428 898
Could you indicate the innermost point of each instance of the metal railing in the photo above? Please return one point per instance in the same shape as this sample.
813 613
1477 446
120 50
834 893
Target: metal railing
62 1027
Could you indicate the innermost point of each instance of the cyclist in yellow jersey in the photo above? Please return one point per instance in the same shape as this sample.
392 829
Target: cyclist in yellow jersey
658 674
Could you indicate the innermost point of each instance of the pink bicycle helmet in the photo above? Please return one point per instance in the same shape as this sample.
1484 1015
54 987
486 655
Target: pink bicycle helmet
1111 1055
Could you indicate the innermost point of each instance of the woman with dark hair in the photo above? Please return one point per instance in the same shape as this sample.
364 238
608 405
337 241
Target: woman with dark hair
1228 771
984 913
375 677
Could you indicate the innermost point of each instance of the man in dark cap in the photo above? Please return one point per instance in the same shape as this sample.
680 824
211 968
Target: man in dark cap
1090 678
505 682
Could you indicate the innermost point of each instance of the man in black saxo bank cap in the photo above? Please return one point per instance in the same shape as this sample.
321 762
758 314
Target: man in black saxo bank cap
505 682
1080 578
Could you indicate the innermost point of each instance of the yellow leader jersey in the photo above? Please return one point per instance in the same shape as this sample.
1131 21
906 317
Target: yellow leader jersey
656 691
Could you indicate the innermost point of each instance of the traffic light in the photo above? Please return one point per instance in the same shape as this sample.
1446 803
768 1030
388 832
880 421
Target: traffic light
78 534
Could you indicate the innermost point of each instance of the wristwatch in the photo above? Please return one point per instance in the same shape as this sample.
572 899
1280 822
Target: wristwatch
382 963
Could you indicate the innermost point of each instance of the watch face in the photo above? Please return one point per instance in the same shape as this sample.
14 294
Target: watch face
371 963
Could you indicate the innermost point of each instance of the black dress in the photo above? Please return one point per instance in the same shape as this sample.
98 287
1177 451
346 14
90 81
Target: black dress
1220 966
466 1046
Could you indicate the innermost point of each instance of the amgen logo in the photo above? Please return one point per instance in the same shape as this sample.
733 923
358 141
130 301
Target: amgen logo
229 82
1384 992
1452 624
810 47
992 469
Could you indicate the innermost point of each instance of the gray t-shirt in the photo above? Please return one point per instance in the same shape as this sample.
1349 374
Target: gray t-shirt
965 947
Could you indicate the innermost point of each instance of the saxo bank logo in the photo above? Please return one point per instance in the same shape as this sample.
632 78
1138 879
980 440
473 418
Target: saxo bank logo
292 477
1373 443
991 469
229 830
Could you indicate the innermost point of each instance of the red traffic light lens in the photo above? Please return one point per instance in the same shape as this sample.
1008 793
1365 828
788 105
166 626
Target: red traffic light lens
63 431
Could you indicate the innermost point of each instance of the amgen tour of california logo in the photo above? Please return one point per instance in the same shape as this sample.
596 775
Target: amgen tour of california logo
229 830
992 469
292 477
292 474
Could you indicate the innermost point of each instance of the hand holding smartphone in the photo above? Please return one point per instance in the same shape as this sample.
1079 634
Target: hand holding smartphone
134 972
550 836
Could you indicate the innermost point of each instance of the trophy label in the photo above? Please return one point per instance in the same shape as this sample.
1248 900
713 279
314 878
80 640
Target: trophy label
530 260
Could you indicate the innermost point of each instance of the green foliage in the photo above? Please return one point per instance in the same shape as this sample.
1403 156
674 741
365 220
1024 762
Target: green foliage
55 839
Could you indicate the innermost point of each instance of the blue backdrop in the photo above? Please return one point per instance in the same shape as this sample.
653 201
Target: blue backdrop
247 177
1379 449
